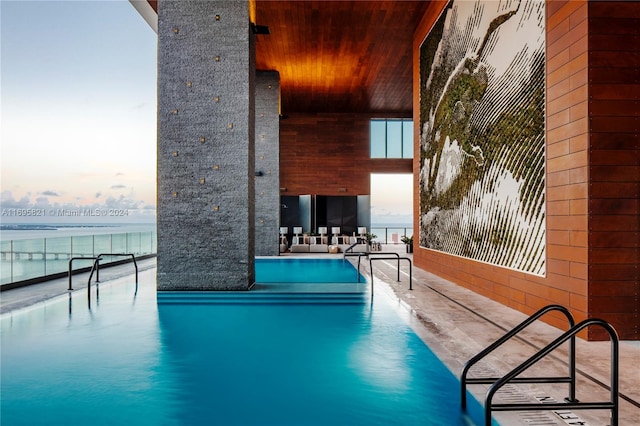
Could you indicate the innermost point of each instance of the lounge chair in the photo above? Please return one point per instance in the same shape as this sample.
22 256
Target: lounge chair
319 244
298 244
335 233
284 246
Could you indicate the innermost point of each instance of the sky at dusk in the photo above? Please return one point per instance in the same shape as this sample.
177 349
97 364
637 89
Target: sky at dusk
78 114
78 106
391 199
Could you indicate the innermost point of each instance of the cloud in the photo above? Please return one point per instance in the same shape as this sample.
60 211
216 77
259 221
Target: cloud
8 202
98 194
119 174
122 202
42 203
50 193
118 187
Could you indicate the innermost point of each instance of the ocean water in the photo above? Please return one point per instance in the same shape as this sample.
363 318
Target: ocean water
391 233
38 231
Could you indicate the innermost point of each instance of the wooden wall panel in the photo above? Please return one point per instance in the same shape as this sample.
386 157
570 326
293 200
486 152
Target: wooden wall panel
328 154
592 173
567 94
339 56
614 170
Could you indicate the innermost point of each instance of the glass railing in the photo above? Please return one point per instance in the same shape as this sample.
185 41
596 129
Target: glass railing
390 235
28 259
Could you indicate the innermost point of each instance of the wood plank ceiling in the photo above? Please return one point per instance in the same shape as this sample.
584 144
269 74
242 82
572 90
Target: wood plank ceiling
339 56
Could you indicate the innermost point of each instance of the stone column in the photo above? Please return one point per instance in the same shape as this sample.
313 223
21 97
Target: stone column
267 163
206 79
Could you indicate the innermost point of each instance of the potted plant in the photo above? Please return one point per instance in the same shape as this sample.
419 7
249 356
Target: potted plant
408 242
370 237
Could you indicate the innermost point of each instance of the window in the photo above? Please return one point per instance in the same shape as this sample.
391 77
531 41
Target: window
391 138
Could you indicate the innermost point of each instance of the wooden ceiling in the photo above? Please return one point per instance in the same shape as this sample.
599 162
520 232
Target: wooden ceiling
339 56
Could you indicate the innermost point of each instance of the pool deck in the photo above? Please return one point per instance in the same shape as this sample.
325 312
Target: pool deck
456 324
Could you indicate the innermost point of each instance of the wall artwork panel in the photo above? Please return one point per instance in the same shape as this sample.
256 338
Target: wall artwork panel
482 133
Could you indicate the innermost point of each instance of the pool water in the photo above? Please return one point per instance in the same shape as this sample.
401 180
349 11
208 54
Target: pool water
304 270
132 360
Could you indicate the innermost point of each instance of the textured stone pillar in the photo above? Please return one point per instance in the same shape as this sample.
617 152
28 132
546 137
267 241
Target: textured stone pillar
206 79
267 163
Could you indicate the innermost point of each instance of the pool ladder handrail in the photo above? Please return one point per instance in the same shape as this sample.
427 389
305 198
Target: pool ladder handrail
397 257
133 258
612 404
348 252
378 253
359 240
571 401
344 257
96 260
464 380
96 268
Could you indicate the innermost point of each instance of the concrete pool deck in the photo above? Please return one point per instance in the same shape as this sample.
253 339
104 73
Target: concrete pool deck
456 324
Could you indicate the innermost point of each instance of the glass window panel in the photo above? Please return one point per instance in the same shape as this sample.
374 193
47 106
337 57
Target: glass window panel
394 139
378 137
391 138
407 139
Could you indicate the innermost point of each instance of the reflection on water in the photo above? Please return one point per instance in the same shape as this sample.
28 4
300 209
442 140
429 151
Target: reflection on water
129 360
65 364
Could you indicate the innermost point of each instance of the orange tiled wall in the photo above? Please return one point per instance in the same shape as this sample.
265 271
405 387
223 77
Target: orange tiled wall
592 181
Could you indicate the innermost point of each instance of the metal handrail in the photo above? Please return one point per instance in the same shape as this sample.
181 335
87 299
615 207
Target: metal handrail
486 380
359 240
349 252
575 404
398 257
365 254
135 265
386 233
96 268
95 260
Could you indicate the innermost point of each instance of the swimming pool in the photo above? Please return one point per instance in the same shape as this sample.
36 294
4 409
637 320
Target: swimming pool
132 360
306 270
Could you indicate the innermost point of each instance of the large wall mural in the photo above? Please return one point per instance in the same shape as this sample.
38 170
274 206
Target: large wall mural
482 128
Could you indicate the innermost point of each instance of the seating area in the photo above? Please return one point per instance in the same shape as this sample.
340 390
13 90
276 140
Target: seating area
318 244
302 242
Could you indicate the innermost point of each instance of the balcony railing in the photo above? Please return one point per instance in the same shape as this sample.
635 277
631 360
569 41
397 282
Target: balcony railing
390 235
24 260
